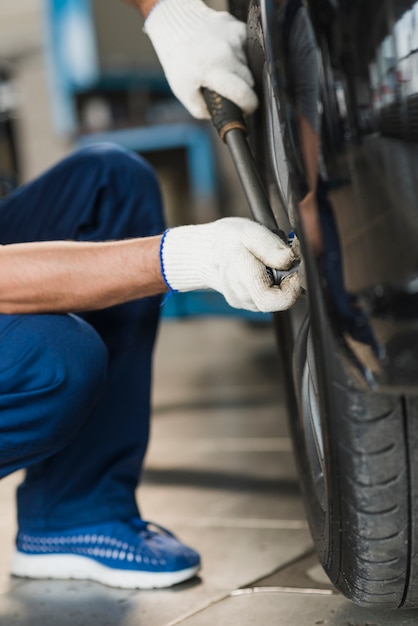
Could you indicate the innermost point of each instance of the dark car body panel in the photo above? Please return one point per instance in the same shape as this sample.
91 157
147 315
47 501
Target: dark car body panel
361 81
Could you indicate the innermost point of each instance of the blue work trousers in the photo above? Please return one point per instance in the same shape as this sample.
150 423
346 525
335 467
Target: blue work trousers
75 389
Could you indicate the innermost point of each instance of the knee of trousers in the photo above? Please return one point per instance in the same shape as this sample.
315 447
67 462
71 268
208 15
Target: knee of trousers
131 182
52 373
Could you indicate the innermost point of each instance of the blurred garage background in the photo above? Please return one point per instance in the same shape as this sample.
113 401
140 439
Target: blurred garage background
74 72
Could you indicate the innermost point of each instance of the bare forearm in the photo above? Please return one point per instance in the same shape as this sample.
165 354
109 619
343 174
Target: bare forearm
76 276
144 6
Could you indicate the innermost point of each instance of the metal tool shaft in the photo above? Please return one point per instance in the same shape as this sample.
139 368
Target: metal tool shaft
230 124
250 179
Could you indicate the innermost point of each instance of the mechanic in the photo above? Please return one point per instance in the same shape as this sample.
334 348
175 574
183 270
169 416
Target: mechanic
88 237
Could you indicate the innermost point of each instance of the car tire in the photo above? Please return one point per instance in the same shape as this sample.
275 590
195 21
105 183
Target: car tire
357 460
356 448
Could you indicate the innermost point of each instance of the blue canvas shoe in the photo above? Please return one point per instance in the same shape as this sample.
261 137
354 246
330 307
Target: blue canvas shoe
127 555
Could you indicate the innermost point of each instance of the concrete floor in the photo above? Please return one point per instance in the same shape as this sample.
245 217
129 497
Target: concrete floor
220 473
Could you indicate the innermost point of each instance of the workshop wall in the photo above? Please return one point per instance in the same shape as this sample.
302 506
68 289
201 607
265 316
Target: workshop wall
21 48
23 51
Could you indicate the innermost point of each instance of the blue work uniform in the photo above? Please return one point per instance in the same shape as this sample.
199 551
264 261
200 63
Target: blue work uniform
75 389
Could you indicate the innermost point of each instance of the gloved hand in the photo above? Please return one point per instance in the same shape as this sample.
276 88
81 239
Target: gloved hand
200 47
230 255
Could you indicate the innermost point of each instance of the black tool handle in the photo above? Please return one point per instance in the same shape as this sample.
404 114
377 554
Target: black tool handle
225 114
228 120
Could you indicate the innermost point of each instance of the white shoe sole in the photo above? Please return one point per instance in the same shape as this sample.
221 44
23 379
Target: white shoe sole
63 567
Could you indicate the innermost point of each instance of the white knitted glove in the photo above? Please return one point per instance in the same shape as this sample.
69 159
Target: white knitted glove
200 47
230 255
